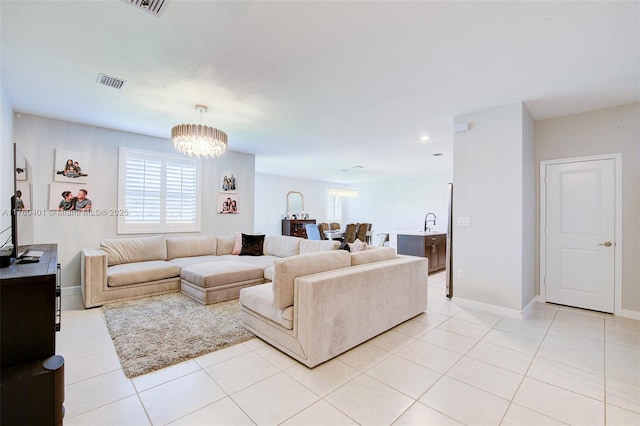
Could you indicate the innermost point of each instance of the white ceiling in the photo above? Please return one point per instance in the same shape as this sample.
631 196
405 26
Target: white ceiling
315 88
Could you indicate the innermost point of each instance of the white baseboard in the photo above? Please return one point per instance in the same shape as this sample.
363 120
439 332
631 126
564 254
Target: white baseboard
70 291
71 298
527 309
628 313
500 310
540 299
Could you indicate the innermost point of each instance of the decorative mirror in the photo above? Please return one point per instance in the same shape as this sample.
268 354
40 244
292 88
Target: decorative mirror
295 202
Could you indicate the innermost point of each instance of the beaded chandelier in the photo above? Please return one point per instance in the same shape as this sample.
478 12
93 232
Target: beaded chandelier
198 140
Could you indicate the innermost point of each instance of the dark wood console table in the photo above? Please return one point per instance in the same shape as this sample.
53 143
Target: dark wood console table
295 227
32 377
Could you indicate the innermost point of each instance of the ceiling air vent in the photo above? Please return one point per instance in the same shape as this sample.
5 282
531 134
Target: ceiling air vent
154 7
107 80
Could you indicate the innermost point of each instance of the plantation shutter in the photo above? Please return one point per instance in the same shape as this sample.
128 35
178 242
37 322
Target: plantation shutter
143 190
181 193
158 192
334 208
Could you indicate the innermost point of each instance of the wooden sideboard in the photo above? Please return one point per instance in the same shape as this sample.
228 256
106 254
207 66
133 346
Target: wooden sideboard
295 227
430 245
32 375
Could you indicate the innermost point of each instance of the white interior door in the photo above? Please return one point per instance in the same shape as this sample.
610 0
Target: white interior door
579 234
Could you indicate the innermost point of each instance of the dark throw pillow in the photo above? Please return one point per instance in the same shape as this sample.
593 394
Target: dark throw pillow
252 245
344 246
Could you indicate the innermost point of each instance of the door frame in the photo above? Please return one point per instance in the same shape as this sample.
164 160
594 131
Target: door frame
617 271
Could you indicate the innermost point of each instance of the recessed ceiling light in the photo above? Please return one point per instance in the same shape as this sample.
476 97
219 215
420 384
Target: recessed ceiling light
424 138
437 154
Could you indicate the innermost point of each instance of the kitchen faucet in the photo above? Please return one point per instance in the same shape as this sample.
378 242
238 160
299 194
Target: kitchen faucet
426 228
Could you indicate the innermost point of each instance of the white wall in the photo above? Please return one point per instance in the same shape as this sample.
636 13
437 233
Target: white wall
488 189
604 131
38 137
400 205
529 218
271 200
390 206
6 162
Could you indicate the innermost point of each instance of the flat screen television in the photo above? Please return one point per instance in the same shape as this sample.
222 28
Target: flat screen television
14 216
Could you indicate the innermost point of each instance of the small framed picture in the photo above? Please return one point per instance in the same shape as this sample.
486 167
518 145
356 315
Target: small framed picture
23 192
229 182
21 166
69 196
228 204
71 166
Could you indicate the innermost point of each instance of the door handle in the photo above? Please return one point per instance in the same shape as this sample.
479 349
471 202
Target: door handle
606 244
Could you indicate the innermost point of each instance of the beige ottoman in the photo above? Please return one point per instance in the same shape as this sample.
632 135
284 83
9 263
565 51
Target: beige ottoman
214 282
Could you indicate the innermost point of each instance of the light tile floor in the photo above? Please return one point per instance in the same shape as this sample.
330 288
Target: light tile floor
448 366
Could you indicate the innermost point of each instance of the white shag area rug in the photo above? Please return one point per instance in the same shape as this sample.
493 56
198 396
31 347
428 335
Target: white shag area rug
159 331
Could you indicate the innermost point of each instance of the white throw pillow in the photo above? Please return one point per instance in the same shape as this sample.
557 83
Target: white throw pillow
357 246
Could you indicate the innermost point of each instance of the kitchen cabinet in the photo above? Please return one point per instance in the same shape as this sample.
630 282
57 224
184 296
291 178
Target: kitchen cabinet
431 245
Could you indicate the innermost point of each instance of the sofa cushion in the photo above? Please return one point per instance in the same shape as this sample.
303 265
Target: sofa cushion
237 246
259 299
313 246
213 274
225 244
268 273
260 261
252 245
140 272
201 245
374 255
282 245
181 262
288 269
129 250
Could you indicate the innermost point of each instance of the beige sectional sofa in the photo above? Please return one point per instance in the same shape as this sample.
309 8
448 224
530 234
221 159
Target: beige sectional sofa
320 305
129 268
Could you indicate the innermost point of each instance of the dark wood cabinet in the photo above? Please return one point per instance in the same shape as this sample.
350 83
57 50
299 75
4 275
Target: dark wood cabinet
431 246
295 227
32 375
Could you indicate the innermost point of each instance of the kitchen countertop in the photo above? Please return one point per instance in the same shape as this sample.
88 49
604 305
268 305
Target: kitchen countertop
421 233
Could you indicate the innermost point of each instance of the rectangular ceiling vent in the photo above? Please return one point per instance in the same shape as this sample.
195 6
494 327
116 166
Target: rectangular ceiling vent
107 80
154 7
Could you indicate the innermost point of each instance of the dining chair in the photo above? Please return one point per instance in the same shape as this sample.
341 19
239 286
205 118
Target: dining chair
361 233
334 226
350 233
313 233
322 227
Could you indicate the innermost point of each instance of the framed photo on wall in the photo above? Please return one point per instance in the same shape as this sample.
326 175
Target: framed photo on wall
71 166
21 166
228 203
69 197
229 182
23 190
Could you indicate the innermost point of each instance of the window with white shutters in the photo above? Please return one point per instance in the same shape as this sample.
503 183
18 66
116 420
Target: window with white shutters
157 193
334 208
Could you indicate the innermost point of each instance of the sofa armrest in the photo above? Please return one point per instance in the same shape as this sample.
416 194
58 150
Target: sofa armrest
93 275
337 310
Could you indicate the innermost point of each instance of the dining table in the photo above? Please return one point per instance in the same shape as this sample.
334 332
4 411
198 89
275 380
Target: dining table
334 234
